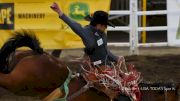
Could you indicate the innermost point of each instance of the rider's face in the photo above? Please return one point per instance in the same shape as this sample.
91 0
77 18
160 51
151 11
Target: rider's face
101 27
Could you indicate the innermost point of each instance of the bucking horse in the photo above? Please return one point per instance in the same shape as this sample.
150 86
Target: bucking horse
36 73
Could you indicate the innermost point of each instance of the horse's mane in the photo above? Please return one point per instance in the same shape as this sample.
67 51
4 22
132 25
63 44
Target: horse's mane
19 39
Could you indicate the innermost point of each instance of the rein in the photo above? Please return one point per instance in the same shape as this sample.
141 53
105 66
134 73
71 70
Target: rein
66 88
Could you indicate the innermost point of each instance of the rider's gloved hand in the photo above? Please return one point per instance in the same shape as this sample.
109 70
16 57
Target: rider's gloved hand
56 8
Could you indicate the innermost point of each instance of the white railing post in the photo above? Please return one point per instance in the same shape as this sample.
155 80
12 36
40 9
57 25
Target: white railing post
133 28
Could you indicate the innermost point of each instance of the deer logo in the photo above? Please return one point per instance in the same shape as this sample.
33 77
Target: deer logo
78 11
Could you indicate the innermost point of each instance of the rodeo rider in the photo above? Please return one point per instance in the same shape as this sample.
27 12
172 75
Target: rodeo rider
93 36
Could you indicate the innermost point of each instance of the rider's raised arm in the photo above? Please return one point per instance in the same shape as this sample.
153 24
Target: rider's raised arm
76 27
79 30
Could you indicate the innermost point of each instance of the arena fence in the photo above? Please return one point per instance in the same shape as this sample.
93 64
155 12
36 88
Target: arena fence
134 29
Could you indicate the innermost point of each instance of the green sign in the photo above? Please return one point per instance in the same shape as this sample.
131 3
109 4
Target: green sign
78 10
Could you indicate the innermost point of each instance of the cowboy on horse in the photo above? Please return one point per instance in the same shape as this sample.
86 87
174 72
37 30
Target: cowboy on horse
101 59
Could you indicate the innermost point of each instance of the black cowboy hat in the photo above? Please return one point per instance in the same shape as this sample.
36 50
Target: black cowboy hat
99 17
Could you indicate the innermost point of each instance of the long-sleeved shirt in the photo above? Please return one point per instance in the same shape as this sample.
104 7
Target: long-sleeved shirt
85 33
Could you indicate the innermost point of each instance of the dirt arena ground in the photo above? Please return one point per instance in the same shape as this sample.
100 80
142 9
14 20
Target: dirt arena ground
160 64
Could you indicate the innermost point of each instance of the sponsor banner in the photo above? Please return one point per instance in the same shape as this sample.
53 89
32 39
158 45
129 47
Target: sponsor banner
36 15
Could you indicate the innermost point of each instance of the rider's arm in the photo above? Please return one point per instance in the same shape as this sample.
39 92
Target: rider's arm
78 29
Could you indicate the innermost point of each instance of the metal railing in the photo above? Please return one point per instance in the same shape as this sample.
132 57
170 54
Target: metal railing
134 29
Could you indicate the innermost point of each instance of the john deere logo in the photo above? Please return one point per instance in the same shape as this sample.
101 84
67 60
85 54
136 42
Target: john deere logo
78 11
6 16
